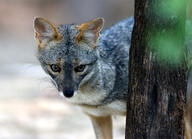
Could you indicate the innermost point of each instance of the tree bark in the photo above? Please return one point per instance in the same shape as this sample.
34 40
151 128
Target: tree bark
157 84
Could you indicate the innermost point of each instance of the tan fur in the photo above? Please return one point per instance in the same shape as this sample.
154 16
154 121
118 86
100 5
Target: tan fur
102 127
54 37
83 27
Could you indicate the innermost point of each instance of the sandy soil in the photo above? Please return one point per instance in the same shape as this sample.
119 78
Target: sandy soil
30 108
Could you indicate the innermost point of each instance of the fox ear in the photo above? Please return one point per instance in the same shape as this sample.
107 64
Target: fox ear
89 32
45 30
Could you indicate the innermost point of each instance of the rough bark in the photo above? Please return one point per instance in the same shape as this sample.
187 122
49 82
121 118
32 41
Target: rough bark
157 90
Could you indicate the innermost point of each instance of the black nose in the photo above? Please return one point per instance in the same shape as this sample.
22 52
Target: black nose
68 93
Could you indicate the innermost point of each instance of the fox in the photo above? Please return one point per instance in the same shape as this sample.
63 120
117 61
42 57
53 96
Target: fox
88 66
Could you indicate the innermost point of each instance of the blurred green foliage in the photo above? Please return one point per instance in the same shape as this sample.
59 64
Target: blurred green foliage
167 41
172 7
167 48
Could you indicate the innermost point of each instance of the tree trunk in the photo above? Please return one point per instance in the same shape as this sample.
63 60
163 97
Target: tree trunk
157 71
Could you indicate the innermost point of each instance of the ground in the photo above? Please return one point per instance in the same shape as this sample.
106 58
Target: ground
30 108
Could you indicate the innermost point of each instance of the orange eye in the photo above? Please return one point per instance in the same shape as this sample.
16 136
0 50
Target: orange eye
55 68
80 68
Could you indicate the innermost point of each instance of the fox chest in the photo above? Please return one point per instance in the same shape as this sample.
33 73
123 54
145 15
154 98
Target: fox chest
114 108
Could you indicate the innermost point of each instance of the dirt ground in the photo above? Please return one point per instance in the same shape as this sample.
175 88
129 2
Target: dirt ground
30 107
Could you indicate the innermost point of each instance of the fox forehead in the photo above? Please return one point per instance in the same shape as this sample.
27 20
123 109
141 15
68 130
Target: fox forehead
67 48
77 57
68 32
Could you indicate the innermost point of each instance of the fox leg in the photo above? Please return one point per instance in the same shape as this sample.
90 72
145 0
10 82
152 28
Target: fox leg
102 127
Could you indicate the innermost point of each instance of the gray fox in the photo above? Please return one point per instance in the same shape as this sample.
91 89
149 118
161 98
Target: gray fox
88 67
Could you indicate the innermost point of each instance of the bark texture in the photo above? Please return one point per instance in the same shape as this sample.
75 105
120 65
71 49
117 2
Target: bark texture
157 90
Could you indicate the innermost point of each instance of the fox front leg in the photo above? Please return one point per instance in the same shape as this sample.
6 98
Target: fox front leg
102 127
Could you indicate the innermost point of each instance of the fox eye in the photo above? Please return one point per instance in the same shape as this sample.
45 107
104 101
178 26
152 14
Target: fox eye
80 68
55 68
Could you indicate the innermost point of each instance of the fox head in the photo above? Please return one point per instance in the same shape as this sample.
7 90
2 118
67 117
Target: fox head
68 53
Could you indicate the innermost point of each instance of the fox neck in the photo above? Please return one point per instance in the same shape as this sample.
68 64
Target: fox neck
101 79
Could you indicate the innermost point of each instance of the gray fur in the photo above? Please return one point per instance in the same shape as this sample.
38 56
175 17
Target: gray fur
105 82
108 64
114 46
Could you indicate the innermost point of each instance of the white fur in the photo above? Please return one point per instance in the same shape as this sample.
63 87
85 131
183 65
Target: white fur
114 108
90 98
